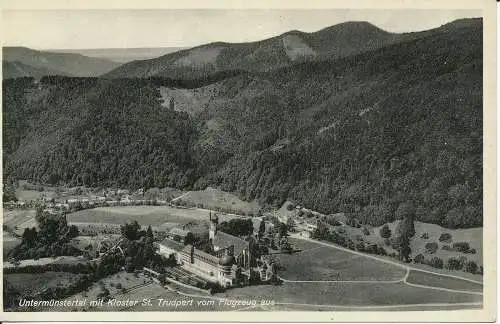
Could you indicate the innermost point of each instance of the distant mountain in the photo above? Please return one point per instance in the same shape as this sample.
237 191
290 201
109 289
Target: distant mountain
64 63
338 41
15 69
122 55
284 50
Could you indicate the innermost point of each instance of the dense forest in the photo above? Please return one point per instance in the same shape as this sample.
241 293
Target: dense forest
394 131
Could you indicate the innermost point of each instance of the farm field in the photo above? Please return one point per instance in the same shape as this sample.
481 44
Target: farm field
156 216
9 242
45 261
317 262
18 219
211 198
433 280
29 195
352 294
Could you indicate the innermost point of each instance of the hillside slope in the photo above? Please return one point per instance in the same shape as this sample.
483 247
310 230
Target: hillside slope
376 134
67 63
17 69
284 50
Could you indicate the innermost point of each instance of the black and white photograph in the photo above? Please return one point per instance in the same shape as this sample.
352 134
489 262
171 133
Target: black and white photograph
319 160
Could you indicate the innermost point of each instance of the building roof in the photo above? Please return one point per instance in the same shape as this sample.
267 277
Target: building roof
211 259
224 240
178 231
171 244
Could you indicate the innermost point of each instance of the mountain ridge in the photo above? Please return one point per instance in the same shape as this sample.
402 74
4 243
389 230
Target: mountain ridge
330 43
70 64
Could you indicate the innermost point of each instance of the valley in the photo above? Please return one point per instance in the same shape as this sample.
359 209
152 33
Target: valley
335 170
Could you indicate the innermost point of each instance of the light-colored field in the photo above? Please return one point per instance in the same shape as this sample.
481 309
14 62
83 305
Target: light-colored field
156 216
191 101
9 242
145 215
29 195
317 262
211 198
45 261
19 219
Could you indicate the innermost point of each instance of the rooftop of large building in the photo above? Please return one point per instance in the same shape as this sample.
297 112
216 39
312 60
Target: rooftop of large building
176 246
224 240
178 231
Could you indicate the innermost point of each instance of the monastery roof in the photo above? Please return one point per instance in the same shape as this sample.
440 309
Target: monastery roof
206 257
176 246
224 240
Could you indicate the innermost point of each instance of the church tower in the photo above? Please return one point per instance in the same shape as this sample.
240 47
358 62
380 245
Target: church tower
214 221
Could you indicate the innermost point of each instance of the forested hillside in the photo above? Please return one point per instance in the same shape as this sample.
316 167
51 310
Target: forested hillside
380 134
334 42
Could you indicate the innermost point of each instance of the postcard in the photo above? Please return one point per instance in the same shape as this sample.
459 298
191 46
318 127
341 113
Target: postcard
294 161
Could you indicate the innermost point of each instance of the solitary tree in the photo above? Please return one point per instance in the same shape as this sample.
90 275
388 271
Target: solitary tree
262 228
404 248
385 232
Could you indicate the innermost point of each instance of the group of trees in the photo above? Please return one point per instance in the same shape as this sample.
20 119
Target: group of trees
453 263
51 239
237 227
140 250
340 237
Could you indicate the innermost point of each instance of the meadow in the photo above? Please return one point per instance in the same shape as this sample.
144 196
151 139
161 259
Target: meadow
317 262
351 294
159 217
9 242
211 198
19 219
434 280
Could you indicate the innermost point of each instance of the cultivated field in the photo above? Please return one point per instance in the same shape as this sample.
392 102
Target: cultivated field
317 262
18 219
145 215
434 280
156 216
327 294
213 198
9 242
44 261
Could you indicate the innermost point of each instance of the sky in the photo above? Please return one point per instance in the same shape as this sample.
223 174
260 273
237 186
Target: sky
90 29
